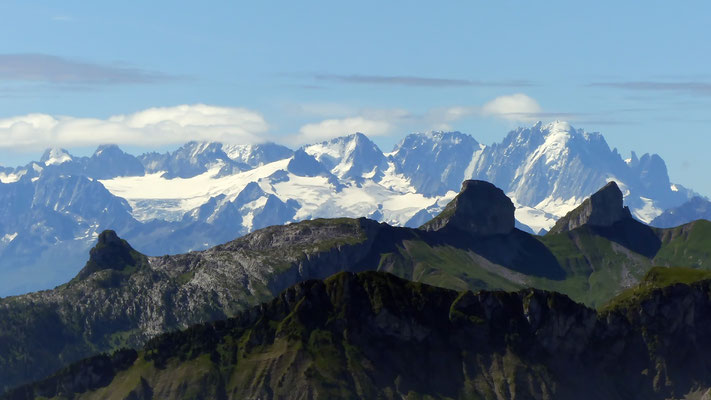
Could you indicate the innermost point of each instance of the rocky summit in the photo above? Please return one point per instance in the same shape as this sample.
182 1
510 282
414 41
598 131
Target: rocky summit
480 209
112 253
603 209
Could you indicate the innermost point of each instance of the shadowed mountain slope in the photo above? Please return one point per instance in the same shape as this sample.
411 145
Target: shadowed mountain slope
373 335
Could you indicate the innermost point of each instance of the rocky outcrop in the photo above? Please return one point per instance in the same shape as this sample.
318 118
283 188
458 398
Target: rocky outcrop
603 209
303 164
479 209
112 253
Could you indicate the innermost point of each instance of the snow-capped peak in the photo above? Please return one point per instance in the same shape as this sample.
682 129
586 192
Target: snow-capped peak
55 155
558 127
256 155
349 156
556 141
197 148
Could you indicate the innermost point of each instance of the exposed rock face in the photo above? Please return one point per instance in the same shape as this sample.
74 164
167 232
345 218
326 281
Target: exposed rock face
446 155
303 164
480 208
603 208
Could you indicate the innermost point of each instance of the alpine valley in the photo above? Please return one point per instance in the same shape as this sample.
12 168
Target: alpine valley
464 306
204 194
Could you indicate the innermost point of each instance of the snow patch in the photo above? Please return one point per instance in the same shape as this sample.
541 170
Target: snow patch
534 218
57 156
12 177
557 207
648 211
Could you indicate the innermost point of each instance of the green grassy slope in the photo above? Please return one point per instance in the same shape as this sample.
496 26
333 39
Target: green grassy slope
655 279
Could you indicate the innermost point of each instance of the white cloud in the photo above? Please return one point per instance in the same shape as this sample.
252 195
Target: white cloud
332 128
517 107
154 126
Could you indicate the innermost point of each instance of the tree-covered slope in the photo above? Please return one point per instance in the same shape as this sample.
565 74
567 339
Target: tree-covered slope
373 335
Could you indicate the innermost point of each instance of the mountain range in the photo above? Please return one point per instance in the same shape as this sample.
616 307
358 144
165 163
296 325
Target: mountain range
124 299
203 194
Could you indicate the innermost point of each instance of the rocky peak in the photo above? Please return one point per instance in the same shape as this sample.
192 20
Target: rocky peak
55 155
350 157
603 208
109 161
435 162
108 150
480 208
304 164
111 253
256 155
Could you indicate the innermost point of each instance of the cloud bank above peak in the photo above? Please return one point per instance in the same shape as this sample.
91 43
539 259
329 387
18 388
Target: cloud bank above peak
158 126
150 127
332 128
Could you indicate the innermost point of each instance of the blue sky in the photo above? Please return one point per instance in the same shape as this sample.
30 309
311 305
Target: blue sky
297 72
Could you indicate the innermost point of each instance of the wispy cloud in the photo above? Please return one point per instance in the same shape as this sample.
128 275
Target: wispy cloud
406 80
150 127
691 87
62 71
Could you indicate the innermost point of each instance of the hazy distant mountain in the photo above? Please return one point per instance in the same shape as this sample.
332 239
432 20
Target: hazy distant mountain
190 160
352 157
256 155
203 193
696 208
436 162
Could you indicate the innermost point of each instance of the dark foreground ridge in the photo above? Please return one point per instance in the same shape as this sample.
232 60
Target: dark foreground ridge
373 335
